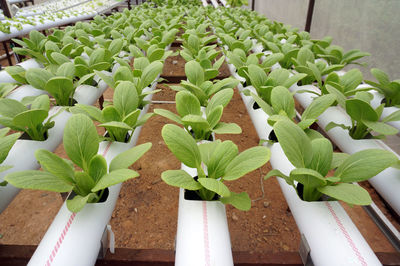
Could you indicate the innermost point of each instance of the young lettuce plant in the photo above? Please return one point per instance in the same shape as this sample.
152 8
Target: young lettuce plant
389 89
32 121
81 144
264 83
241 62
121 117
191 116
199 84
6 143
193 45
313 159
33 47
305 63
335 55
142 76
364 118
60 85
223 161
282 104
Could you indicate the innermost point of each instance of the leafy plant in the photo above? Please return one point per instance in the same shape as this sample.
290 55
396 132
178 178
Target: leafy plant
81 144
264 83
241 62
223 161
364 118
305 63
192 117
199 84
19 117
34 46
390 89
335 55
143 75
6 143
121 117
60 85
282 104
313 159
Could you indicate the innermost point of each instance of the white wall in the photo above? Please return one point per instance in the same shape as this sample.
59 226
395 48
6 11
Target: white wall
292 12
369 25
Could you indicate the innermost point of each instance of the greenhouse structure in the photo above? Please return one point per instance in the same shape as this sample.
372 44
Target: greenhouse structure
199 132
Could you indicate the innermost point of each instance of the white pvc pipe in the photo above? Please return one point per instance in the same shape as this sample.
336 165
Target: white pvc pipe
204 2
332 236
74 238
30 63
223 2
387 183
23 91
258 116
202 236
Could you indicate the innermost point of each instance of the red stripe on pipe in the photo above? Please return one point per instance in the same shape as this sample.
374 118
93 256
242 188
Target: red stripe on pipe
346 234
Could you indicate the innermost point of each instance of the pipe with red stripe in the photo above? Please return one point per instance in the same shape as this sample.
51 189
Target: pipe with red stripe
75 238
332 236
202 236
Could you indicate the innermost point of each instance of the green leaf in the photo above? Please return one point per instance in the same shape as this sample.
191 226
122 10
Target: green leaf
223 154
227 128
41 102
132 118
84 182
182 145
92 111
78 202
395 116
66 70
214 116
38 77
207 149
194 72
294 142
17 73
126 99
380 127
240 201
215 185
127 158
6 143
81 142
322 156
33 179
308 177
179 178
222 97
350 193
169 115
282 100
97 167
318 106
11 107
360 110
338 158
55 165
277 173
61 89
365 164
187 103
123 73
150 73
114 177
246 162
